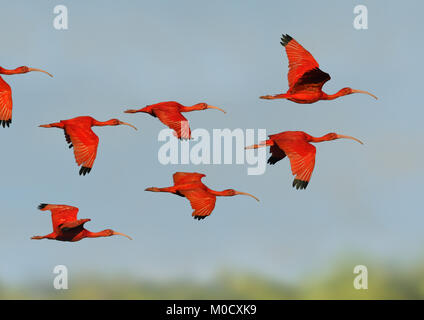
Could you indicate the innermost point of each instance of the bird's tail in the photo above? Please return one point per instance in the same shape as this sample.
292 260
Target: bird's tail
275 96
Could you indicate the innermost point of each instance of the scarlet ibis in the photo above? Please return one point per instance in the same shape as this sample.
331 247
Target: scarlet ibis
296 145
169 113
202 199
6 93
305 77
66 227
79 135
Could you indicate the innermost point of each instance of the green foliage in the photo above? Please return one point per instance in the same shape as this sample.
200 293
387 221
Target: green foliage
337 283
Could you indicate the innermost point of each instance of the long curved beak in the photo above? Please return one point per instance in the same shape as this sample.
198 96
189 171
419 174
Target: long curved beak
128 124
213 107
348 137
121 234
366 92
39 70
247 194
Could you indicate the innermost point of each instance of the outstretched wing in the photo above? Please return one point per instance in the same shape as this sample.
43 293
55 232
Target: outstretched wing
201 202
85 143
5 103
312 80
187 177
70 211
302 160
73 225
303 68
176 121
60 213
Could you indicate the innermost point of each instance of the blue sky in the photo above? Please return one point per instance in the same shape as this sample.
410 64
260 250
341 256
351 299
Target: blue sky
361 199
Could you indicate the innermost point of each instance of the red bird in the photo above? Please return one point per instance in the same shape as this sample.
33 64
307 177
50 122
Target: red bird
305 77
296 145
79 135
202 199
6 93
169 113
66 227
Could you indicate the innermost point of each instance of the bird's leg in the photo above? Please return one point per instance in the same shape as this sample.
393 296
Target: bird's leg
265 143
37 237
146 109
132 111
47 236
276 96
167 189
52 125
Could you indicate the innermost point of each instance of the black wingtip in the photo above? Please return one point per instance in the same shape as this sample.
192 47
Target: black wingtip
299 184
273 160
5 123
285 39
84 170
199 217
42 206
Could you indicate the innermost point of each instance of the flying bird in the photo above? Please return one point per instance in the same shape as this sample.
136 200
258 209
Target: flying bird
6 103
202 199
80 136
305 77
66 227
169 113
296 145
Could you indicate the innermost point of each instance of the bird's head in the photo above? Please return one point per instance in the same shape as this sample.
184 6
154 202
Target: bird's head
204 106
232 192
347 91
117 122
331 136
25 69
334 136
110 232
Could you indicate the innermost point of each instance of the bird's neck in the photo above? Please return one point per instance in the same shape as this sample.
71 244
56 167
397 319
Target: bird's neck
224 193
338 94
101 123
13 71
195 107
89 234
326 137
